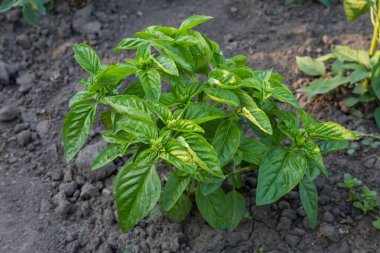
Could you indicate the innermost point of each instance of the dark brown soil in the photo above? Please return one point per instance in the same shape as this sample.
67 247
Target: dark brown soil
47 205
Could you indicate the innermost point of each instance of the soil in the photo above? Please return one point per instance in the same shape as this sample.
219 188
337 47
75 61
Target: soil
47 205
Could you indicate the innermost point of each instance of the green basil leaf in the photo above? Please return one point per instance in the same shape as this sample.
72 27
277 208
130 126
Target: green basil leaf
331 131
112 75
167 65
127 103
173 190
208 159
213 208
223 79
309 199
193 21
137 191
279 173
110 153
161 110
129 44
178 53
286 96
200 113
76 127
180 210
226 140
117 138
81 96
143 51
327 146
235 209
207 188
30 14
168 99
6 5
151 83
139 124
259 118
310 66
87 58
223 96
184 125
253 151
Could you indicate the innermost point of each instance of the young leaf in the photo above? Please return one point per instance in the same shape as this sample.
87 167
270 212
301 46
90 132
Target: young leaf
279 173
76 127
350 55
259 118
355 8
235 209
332 131
87 58
226 140
151 83
173 190
322 86
193 21
180 210
223 96
310 66
137 191
359 75
309 199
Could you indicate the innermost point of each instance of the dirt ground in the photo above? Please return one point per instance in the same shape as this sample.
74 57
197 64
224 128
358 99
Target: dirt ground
47 205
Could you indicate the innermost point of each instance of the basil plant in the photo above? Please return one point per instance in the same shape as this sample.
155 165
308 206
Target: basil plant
206 118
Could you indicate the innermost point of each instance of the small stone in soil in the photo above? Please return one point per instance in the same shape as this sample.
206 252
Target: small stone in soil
45 206
88 191
20 127
68 188
328 217
293 240
24 137
329 232
43 128
8 113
